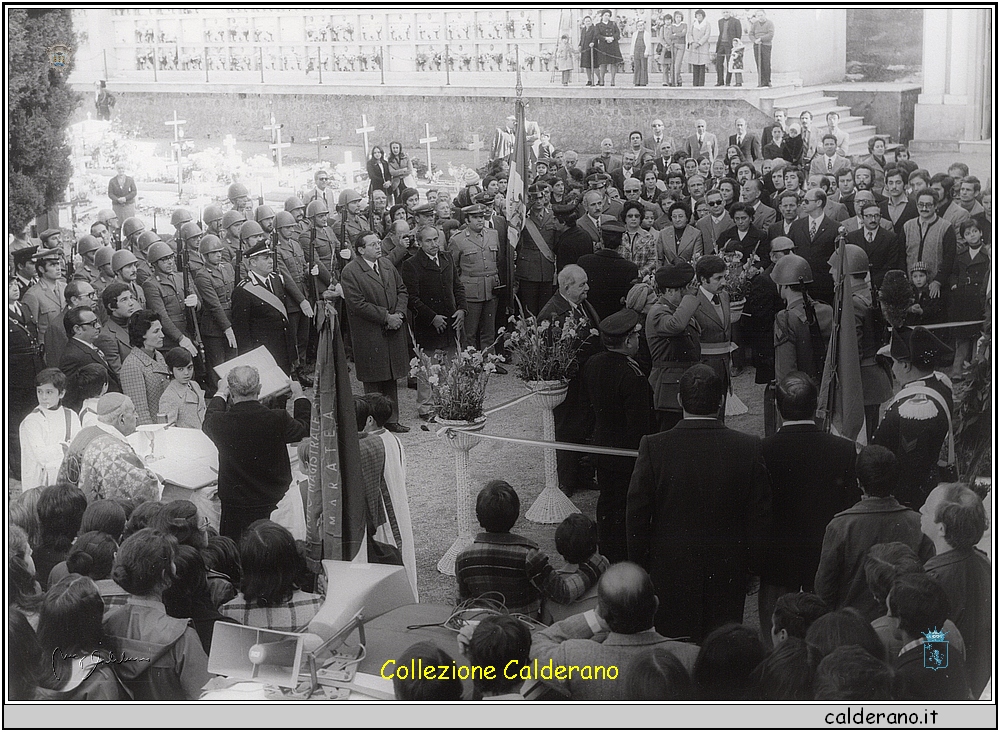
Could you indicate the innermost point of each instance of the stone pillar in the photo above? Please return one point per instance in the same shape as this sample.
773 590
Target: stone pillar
946 111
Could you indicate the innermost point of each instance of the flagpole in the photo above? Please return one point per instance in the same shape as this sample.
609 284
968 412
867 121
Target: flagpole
830 374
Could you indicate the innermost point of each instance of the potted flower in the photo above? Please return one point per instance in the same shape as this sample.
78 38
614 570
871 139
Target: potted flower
458 383
544 353
738 276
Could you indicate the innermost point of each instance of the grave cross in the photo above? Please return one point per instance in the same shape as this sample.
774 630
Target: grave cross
364 129
319 142
427 140
476 146
350 168
229 142
178 132
278 145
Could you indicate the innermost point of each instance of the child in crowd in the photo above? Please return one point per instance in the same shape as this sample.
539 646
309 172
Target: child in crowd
47 431
60 512
925 309
183 401
421 687
90 384
969 282
222 560
564 58
23 592
793 613
504 642
576 541
850 673
736 61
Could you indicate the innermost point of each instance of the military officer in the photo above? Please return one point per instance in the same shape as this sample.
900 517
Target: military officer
24 361
44 299
124 264
536 261
215 282
165 296
918 419
24 269
623 413
476 250
802 330
259 317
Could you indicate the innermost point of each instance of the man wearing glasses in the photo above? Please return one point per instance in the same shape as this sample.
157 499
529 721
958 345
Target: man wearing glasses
717 221
882 246
815 238
82 329
77 293
930 239
322 192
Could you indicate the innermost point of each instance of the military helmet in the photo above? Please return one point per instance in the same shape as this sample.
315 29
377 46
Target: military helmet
782 244
105 215
122 258
210 243
211 213
857 260
791 269
102 256
284 218
250 228
132 225
146 239
180 216
263 212
317 207
87 244
348 195
158 250
292 203
237 190
189 230
232 217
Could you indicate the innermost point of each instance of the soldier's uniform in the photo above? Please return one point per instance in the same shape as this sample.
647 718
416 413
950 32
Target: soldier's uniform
20 258
347 226
794 344
24 361
44 299
165 296
297 281
259 317
623 413
476 261
918 419
327 244
535 269
215 285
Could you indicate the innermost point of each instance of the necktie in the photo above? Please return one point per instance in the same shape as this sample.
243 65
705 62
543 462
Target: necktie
829 165
739 139
716 300
699 139
813 226
375 267
870 236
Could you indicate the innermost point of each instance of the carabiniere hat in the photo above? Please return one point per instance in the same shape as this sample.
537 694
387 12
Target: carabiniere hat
917 345
476 209
424 209
23 256
261 247
620 323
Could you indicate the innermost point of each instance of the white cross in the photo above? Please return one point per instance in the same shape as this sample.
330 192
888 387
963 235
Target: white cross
176 123
476 146
350 167
427 140
319 141
364 129
177 147
230 144
278 145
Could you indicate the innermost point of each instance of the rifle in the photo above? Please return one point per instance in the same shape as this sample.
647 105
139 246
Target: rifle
274 250
312 260
184 255
343 236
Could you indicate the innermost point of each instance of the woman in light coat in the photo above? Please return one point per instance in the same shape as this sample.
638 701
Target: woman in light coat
699 54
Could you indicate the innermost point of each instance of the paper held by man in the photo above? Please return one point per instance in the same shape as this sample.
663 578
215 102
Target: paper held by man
273 380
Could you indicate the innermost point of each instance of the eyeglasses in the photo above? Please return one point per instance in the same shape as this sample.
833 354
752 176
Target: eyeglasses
925 205
875 215
715 203
205 523
91 323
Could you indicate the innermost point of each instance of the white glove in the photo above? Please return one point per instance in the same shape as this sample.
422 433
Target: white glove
315 270
231 337
345 253
191 300
187 345
306 308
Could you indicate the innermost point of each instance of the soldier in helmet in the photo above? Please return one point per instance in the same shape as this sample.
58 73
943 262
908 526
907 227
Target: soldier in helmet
124 264
232 222
347 224
142 244
259 317
318 240
264 215
297 209
188 246
111 223
165 296
105 276
251 234
239 197
178 218
86 247
215 282
131 228
212 218
918 418
802 330
876 380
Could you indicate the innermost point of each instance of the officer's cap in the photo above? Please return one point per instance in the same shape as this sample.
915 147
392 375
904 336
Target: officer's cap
424 209
620 323
23 256
674 276
476 209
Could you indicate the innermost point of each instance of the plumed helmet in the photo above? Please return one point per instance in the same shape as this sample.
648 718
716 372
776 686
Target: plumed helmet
180 216
283 218
317 207
263 212
87 244
250 228
210 243
237 190
132 225
292 203
791 269
348 195
232 217
158 250
212 213
122 258
102 257
189 230
146 239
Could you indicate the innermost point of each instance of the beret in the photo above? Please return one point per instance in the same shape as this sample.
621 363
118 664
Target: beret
674 275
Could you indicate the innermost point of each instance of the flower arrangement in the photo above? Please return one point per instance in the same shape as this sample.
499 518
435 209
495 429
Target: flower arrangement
546 351
739 274
458 382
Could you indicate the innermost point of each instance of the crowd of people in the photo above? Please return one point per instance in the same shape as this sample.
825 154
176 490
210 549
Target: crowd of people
653 246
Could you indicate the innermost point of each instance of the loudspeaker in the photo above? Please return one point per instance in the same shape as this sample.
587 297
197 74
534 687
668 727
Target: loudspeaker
352 587
255 654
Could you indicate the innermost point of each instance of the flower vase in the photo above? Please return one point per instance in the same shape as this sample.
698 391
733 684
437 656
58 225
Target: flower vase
460 434
736 309
552 505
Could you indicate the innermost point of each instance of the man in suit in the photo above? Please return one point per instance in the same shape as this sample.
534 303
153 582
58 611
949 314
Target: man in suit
815 238
664 156
24 361
627 170
702 142
609 274
806 493
574 418
77 293
436 299
571 242
535 267
788 208
657 137
376 302
763 216
729 28
82 329
113 340
747 142
780 120
829 161
593 217
254 471
122 192
607 156
714 318
856 222
712 226
44 299
259 317
833 209
698 508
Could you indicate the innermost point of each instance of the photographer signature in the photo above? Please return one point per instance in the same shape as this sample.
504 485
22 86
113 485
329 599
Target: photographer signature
91 661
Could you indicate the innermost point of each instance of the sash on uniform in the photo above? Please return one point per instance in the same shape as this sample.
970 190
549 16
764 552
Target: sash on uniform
267 296
538 239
